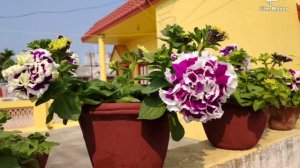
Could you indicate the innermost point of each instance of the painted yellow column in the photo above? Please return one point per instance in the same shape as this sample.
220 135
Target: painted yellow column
40 114
102 57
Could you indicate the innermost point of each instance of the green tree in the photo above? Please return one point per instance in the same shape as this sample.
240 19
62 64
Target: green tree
5 61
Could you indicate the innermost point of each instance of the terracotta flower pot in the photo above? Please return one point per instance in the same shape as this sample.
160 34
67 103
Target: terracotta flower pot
239 128
116 138
42 161
284 118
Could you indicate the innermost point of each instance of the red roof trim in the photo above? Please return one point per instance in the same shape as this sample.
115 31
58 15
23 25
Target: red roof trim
130 8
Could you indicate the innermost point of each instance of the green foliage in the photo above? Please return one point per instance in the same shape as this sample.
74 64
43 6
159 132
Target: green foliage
36 44
177 130
178 39
264 85
17 151
5 60
152 108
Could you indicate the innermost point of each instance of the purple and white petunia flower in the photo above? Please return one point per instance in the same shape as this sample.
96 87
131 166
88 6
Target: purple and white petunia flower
73 59
31 76
228 49
296 84
201 85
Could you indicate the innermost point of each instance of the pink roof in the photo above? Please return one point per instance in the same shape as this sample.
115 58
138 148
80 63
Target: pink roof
130 8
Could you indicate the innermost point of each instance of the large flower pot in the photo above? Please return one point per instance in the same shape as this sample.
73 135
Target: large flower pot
284 118
239 128
116 138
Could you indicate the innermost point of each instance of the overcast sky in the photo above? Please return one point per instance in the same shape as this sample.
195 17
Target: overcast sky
22 21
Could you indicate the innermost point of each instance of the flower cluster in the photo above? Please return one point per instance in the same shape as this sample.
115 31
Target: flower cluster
281 58
237 57
228 49
296 82
32 74
60 43
215 35
201 85
73 59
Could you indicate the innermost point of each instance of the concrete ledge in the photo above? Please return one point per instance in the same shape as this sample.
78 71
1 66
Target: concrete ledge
276 149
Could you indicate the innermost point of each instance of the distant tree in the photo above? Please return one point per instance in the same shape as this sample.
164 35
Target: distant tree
5 61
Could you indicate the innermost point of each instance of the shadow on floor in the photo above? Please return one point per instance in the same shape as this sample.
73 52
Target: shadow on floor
188 156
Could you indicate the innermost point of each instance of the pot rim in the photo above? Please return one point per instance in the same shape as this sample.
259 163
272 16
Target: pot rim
113 109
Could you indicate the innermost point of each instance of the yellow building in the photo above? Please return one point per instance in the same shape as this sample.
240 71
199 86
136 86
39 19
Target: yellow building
258 26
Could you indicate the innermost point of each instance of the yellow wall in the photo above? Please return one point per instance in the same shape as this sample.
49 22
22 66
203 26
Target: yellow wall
254 30
247 26
149 42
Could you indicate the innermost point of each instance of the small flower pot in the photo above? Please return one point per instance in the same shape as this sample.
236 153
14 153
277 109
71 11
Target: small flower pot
116 138
284 118
239 128
42 161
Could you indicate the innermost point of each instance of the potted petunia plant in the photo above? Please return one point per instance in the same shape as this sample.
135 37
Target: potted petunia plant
19 151
244 119
107 111
202 85
282 96
263 89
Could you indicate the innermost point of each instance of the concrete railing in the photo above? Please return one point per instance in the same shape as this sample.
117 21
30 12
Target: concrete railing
28 118
276 149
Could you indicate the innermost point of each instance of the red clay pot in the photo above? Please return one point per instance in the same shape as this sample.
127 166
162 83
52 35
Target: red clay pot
284 118
116 138
240 128
42 161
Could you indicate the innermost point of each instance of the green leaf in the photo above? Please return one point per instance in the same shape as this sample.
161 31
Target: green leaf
261 76
67 106
176 129
258 104
149 57
55 88
152 108
268 96
155 85
273 101
5 134
128 99
242 101
157 74
9 162
93 89
91 101
141 77
50 115
25 148
65 66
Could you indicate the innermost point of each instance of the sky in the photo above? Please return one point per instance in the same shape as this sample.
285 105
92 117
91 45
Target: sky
22 21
